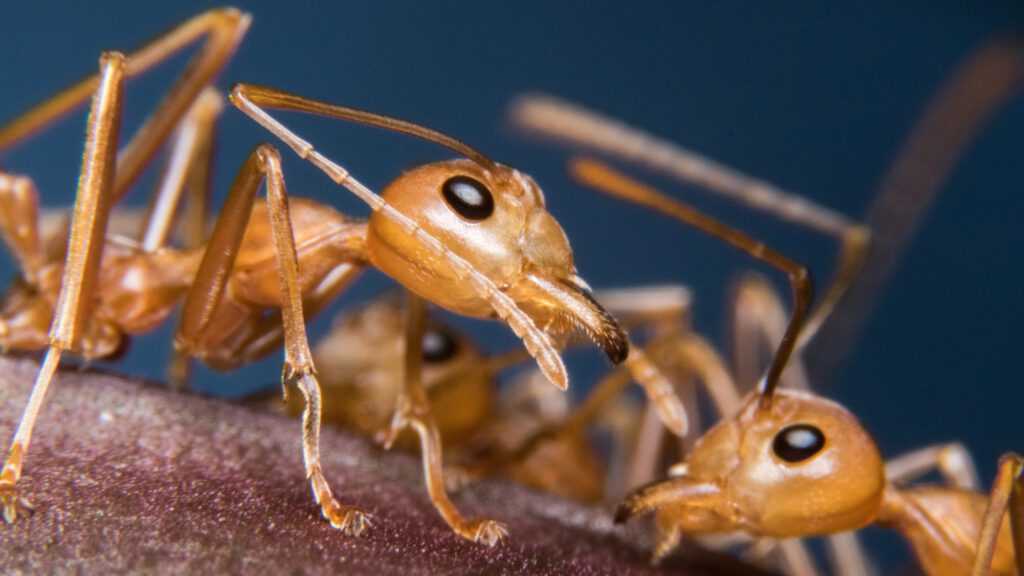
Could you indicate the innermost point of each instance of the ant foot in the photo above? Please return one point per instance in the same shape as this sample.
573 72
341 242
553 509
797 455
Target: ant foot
12 502
349 519
484 531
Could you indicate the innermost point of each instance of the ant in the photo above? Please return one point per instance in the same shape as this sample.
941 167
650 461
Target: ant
788 463
470 235
571 124
758 315
485 433
527 433
803 466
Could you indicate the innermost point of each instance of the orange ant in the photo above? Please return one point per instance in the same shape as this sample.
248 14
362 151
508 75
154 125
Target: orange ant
757 312
788 463
803 466
484 433
576 126
793 464
470 235
761 319
527 433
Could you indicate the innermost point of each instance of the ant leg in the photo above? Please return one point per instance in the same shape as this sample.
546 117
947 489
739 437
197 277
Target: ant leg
699 356
795 557
412 410
81 268
207 293
19 222
188 167
952 460
665 310
603 178
662 309
1007 495
223 29
659 390
577 126
848 557
758 324
268 333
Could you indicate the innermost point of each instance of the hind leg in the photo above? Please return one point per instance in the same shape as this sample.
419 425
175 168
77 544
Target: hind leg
85 249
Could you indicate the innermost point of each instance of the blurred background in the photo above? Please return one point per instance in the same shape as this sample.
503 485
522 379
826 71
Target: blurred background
814 98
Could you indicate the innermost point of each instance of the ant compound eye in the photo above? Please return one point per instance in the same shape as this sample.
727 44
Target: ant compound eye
798 442
470 199
438 346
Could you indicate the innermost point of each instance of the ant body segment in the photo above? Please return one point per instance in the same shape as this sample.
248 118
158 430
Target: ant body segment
469 234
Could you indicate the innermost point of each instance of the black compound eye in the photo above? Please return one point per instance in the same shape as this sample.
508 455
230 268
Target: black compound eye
468 197
438 346
798 442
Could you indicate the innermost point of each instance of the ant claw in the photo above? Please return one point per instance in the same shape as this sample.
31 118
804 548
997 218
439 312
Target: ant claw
487 532
349 519
12 503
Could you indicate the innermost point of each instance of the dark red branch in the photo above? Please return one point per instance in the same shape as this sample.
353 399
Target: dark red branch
129 477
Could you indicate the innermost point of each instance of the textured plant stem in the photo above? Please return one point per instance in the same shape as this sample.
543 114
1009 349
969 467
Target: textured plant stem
128 477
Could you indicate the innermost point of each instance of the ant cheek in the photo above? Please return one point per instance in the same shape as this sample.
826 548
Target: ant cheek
547 246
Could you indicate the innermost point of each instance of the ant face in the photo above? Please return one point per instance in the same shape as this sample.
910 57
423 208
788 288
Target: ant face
361 369
802 466
495 220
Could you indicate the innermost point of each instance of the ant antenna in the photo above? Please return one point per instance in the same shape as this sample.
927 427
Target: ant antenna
605 179
274 98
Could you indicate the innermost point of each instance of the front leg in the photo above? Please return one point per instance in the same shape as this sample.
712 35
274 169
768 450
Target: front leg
81 267
412 410
208 291
348 519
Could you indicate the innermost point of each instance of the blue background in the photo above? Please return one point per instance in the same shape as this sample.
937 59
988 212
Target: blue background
815 98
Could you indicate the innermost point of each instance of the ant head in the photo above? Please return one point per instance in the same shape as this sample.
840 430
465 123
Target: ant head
494 218
469 235
802 467
360 368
